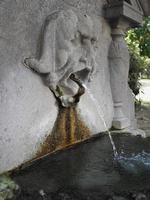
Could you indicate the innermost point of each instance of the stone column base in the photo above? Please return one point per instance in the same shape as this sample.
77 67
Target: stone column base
121 123
132 131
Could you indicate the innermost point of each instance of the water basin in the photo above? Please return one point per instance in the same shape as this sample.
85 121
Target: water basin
91 166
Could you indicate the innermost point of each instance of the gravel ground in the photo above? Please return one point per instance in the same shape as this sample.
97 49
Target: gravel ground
143 117
143 109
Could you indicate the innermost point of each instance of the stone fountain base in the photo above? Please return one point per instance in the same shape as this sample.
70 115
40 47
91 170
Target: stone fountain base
85 171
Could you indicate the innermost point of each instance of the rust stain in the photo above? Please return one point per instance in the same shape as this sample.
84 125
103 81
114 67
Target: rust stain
68 129
72 125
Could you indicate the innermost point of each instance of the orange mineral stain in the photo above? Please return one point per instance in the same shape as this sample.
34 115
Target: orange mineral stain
68 129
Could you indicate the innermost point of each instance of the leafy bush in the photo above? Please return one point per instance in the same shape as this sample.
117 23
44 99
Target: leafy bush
138 41
135 73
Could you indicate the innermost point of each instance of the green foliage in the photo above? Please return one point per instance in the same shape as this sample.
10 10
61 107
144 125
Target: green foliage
138 41
134 73
7 187
143 36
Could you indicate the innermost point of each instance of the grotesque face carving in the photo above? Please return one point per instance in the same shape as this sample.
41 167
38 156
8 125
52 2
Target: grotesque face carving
68 47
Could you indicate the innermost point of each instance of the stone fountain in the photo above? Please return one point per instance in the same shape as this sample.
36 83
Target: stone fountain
51 52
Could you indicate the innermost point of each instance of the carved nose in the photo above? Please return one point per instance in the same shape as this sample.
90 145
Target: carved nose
83 59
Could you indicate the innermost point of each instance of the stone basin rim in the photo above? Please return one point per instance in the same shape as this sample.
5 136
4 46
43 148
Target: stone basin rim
71 147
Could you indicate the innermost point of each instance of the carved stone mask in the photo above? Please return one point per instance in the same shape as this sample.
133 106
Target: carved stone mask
67 48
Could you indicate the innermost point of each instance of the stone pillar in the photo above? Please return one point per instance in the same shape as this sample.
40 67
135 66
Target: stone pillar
119 68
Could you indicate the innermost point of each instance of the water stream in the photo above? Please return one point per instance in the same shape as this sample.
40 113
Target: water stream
135 163
99 110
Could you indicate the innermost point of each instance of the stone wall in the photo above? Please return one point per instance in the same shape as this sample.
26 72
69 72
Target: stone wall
28 108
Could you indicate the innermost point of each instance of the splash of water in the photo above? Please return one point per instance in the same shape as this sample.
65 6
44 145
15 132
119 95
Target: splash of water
134 164
99 110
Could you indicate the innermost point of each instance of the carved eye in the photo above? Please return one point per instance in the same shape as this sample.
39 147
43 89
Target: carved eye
77 35
84 39
93 40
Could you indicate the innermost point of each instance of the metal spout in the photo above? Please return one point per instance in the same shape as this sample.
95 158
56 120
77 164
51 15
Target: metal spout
81 89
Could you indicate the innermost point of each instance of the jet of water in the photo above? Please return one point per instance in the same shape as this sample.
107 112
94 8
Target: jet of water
99 110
